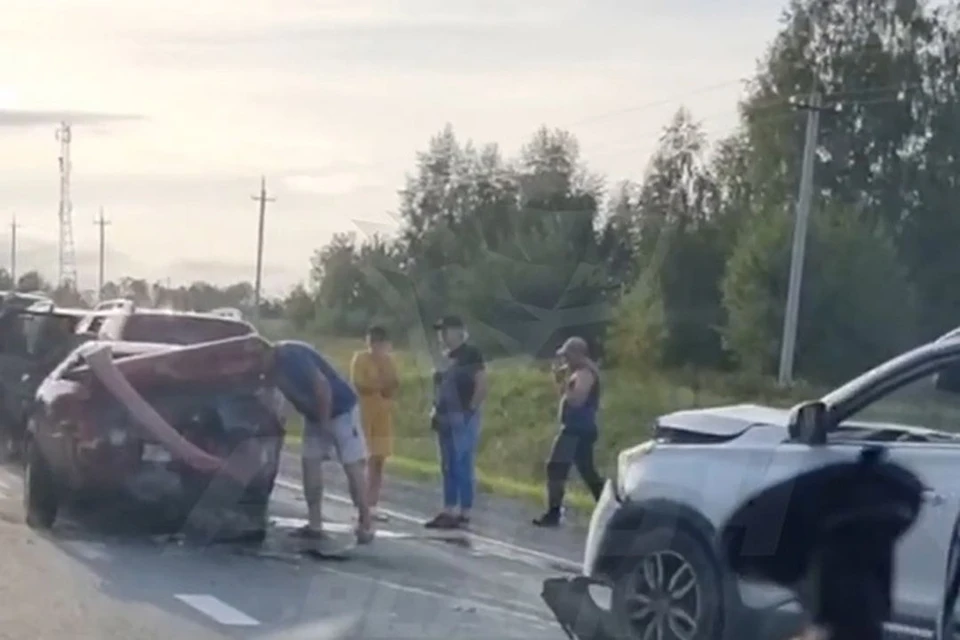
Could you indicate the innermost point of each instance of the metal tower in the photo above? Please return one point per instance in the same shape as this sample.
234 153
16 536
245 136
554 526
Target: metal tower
67 274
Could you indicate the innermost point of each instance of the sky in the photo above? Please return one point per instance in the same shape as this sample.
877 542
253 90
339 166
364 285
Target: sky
178 108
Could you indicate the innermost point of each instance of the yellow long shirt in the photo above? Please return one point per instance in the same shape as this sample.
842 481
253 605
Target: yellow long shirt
375 379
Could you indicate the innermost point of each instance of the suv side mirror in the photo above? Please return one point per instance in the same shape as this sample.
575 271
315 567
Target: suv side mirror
808 423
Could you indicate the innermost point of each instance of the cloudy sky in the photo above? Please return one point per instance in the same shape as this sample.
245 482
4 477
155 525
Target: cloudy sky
180 105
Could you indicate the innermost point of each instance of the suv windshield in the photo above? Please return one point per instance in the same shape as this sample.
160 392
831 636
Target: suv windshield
180 329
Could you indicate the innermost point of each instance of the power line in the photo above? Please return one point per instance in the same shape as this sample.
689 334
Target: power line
663 102
102 223
263 199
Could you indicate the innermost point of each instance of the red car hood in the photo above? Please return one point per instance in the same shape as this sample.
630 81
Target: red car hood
244 357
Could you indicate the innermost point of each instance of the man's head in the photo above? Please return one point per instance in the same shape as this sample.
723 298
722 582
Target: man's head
451 331
574 351
378 340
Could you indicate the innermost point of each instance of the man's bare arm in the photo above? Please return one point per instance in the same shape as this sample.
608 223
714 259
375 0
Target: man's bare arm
479 389
583 381
324 397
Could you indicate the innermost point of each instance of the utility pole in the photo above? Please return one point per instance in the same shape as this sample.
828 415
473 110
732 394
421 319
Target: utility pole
263 199
102 223
13 250
804 201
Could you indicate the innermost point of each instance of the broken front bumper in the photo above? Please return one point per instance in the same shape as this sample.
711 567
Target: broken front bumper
582 615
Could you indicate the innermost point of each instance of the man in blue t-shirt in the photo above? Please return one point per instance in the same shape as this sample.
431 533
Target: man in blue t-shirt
331 424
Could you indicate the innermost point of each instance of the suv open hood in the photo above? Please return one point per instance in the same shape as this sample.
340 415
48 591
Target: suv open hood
723 422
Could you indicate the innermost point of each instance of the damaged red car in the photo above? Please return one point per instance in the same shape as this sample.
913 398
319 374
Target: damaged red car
183 428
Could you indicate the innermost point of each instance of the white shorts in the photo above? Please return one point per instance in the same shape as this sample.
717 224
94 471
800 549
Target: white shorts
344 439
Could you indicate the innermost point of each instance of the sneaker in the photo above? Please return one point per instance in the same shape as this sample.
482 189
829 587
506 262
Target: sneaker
548 519
463 520
306 532
379 516
365 536
443 521
319 542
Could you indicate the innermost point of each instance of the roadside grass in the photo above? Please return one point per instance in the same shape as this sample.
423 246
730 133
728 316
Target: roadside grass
519 416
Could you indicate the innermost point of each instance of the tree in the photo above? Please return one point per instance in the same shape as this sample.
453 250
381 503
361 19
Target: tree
68 296
32 281
857 305
299 307
638 331
6 281
679 244
890 154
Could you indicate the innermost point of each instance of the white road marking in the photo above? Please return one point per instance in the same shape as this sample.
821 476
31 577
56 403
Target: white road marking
405 517
332 527
10 480
442 596
217 609
90 551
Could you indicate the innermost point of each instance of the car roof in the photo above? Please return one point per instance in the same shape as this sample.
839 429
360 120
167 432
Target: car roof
49 308
204 315
953 334
128 347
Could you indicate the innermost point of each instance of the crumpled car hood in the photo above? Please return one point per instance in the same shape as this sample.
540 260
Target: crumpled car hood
727 421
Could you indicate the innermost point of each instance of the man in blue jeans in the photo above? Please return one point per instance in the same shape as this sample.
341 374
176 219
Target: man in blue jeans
459 390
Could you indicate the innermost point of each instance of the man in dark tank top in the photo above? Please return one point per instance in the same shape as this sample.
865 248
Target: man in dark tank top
579 385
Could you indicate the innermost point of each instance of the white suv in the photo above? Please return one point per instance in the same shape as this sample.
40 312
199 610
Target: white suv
651 564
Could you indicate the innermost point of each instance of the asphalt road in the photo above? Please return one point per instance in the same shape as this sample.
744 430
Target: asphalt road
84 581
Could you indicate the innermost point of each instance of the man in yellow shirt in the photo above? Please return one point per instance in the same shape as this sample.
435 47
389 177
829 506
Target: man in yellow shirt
374 376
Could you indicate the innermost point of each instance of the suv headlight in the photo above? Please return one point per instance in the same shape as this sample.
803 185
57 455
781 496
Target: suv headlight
626 459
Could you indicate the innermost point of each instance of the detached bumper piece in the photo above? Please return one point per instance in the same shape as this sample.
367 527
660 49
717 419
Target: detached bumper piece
580 617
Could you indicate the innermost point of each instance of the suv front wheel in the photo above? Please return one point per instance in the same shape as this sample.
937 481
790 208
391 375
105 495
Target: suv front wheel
668 588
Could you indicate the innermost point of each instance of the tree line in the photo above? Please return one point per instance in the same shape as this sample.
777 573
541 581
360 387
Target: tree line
687 266
196 296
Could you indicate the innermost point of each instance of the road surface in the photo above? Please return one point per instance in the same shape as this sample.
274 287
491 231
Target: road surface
82 582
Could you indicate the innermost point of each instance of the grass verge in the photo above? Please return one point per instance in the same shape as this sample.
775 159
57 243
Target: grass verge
426 471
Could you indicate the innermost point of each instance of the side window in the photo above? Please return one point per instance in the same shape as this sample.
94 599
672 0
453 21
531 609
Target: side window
111 326
927 403
96 322
71 362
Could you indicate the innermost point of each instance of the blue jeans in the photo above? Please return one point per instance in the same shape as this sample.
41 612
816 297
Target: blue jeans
457 437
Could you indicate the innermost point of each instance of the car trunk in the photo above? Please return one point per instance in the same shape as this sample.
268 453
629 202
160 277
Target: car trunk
213 418
185 408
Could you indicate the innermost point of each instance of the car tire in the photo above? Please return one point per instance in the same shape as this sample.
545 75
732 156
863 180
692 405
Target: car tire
667 578
41 496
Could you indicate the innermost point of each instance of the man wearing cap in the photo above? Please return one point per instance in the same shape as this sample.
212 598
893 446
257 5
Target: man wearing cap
459 390
579 385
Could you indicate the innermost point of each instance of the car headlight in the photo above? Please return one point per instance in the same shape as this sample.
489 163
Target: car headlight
625 459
